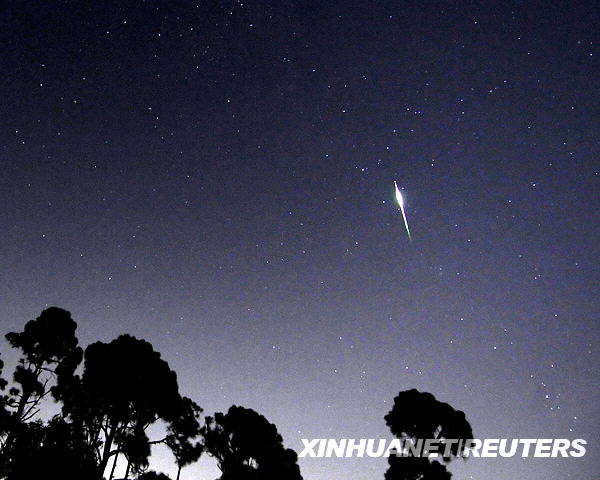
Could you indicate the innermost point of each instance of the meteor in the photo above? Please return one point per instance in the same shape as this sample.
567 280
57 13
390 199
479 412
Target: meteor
400 201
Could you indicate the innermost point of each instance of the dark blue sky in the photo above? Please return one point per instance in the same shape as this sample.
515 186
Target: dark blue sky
218 179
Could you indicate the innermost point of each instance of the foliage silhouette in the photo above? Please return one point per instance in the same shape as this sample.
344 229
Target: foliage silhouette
49 354
4 413
52 450
418 415
126 387
181 430
248 447
153 476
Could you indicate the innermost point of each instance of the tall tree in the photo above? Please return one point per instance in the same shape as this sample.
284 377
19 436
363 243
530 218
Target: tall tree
418 415
181 432
248 447
50 354
125 387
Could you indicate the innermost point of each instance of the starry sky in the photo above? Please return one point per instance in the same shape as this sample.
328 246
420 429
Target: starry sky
218 178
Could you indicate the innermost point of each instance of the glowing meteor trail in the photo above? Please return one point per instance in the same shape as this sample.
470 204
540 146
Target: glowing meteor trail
400 201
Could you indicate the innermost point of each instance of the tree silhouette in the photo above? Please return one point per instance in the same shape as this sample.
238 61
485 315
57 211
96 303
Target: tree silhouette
418 415
248 447
52 450
153 476
107 408
181 430
49 354
126 387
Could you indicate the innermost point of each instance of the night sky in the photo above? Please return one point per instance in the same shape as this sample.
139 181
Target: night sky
218 178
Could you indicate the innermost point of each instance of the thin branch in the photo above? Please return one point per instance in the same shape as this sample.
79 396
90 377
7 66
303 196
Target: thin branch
30 416
156 442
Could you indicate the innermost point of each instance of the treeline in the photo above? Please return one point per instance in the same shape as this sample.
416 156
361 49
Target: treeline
111 394
107 408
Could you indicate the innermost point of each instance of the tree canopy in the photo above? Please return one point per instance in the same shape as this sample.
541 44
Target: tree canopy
418 415
111 394
125 388
49 353
248 447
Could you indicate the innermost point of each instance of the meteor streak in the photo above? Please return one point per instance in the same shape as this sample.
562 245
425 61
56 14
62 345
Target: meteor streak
400 201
